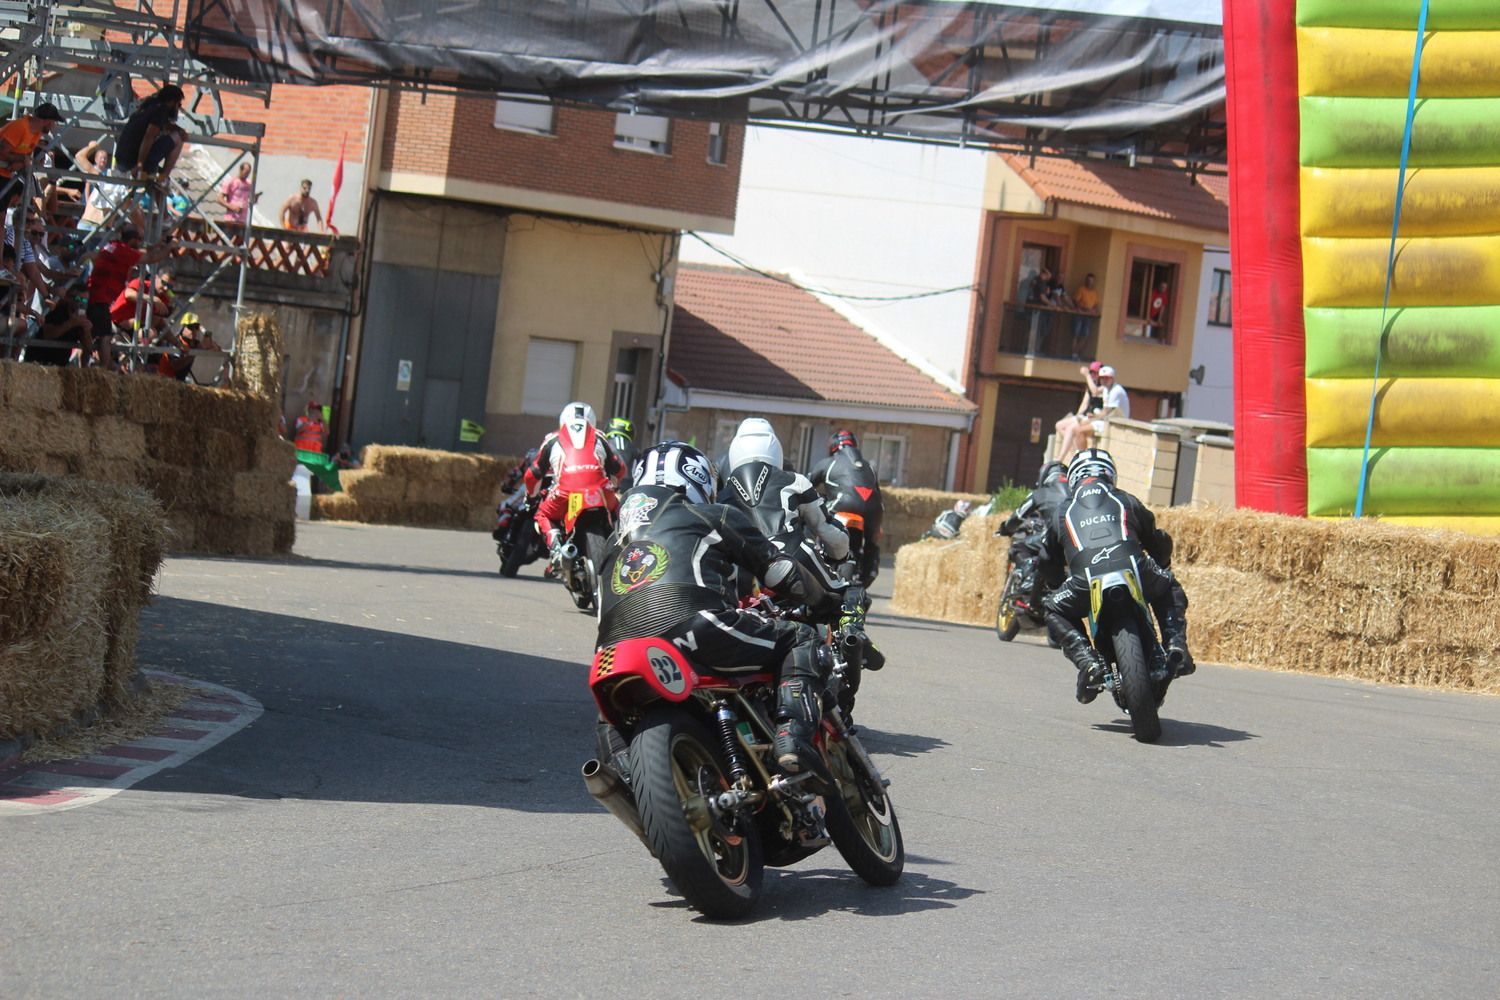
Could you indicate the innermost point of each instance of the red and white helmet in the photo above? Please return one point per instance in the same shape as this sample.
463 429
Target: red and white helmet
575 421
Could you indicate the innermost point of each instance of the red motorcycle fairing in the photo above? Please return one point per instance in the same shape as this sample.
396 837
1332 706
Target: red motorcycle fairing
634 672
592 498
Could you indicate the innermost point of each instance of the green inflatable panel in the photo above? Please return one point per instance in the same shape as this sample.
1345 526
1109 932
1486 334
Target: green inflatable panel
1366 131
1427 341
1449 481
1442 15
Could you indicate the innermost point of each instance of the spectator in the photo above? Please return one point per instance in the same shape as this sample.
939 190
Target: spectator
66 323
1086 301
1156 310
1093 402
112 266
1116 403
310 433
1039 290
345 458
176 360
18 141
151 140
36 273
237 198
103 201
181 202
123 309
296 209
1059 294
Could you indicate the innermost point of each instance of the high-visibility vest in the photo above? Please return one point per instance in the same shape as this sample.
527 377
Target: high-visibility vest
310 434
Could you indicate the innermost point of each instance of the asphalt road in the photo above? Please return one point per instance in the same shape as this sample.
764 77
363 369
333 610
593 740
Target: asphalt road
406 819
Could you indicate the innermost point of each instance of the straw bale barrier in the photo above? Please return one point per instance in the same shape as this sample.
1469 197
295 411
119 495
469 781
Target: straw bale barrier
418 487
208 456
1356 599
259 355
909 512
77 561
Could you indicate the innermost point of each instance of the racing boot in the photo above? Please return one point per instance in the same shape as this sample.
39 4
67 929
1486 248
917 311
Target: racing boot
1174 631
1077 648
797 716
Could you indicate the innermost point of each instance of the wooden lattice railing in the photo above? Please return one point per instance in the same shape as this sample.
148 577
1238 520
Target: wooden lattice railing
280 250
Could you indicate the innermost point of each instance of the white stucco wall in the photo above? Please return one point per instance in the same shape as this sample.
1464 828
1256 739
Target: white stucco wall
866 217
1213 348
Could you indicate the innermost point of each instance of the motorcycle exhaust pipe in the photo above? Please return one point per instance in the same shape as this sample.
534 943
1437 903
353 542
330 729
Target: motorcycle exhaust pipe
605 784
569 551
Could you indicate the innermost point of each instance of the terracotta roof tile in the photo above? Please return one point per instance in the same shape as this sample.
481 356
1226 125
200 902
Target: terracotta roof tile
738 331
1201 202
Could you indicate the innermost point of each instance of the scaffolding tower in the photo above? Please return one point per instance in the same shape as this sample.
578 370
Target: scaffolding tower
94 60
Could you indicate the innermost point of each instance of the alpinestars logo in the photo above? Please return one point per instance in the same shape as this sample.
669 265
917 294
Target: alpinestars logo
1103 554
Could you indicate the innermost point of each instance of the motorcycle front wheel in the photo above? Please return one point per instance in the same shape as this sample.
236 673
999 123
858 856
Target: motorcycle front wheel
1007 622
1137 691
861 819
714 861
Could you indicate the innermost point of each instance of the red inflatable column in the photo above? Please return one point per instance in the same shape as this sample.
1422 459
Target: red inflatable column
1270 418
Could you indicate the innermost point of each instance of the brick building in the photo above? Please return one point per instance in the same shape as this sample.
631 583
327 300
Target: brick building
517 255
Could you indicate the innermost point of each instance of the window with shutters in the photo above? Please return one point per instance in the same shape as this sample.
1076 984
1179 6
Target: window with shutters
518 113
646 133
549 376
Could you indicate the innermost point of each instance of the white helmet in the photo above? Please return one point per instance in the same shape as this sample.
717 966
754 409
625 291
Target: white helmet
755 441
575 420
680 466
1090 463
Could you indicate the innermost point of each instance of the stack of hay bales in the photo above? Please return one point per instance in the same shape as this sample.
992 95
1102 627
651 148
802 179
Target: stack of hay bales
419 487
259 357
909 512
211 457
77 560
1348 598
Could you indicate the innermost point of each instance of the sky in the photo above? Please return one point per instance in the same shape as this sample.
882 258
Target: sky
863 217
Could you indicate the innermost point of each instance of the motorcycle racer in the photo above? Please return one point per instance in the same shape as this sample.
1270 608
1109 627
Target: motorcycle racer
1102 527
1027 529
853 490
577 458
670 572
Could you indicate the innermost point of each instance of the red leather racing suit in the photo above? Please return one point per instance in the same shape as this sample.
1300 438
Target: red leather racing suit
573 466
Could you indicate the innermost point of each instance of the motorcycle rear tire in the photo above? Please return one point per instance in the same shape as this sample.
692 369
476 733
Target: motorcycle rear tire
862 820
510 561
1007 622
1135 681
671 758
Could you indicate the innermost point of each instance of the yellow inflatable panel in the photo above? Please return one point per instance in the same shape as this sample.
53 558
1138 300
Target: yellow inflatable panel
1437 412
1430 271
1447 201
1368 62
1478 525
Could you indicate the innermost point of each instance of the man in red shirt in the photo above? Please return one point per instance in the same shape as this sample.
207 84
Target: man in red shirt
112 267
1156 310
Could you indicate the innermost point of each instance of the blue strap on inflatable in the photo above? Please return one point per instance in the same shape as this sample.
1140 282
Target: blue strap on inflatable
1390 264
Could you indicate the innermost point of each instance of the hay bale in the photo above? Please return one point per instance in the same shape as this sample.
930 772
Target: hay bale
104 469
336 507
273 455
20 441
283 535
1405 559
235 536
909 512
422 464
32 387
148 400
33 581
373 486
64 435
182 531
54 671
222 451
258 495
117 438
1473 565
94 392
259 355
176 488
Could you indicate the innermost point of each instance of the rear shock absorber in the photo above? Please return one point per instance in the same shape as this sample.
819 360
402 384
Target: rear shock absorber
724 716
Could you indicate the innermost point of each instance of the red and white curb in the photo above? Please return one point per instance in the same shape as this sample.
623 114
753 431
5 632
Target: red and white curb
210 715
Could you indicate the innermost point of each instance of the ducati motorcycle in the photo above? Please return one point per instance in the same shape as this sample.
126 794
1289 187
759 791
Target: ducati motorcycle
686 763
1122 629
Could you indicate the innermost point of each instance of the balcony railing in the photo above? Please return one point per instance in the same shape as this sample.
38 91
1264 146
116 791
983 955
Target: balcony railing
1045 332
280 250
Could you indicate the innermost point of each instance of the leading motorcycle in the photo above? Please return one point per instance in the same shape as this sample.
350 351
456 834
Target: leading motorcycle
516 539
686 763
586 530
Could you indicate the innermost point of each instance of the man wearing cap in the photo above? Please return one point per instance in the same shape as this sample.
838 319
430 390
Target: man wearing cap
19 139
310 438
1093 401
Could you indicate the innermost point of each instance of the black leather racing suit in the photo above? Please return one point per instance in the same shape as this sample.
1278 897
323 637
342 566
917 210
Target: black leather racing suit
670 572
852 488
1027 527
1100 528
788 511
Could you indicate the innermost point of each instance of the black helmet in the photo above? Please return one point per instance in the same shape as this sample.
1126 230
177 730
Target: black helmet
841 439
677 465
1090 463
1052 471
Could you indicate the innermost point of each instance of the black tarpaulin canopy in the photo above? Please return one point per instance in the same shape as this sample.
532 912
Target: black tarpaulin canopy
1075 76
